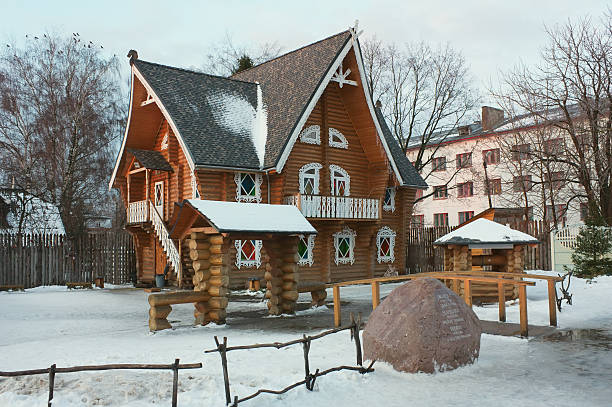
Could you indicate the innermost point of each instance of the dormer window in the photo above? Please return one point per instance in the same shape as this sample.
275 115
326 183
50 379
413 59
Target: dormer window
340 181
309 179
248 187
389 202
311 135
337 139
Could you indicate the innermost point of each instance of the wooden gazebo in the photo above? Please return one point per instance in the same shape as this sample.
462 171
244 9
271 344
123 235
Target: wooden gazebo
484 244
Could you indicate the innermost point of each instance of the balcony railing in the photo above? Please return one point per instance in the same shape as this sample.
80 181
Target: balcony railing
138 212
335 207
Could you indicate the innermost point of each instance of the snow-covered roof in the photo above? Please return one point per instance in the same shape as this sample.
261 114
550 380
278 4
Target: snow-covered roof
38 216
252 218
485 232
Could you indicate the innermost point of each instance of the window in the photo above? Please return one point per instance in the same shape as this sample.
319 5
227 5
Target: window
491 156
555 179
440 192
340 181
465 189
389 202
195 194
522 183
584 211
464 160
248 253
305 250
559 213
494 185
309 179
465 216
248 187
418 220
438 164
520 152
418 194
385 245
440 219
553 146
337 139
344 243
311 135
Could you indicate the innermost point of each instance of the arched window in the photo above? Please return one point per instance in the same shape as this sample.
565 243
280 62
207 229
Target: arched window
311 135
385 245
309 179
340 181
248 187
344 243
337 139
305 250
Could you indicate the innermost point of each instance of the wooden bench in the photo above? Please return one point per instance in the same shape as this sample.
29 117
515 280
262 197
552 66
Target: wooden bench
11 288
78 284
316 290
160 306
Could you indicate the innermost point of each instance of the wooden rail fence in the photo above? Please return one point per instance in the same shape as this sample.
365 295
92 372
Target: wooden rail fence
31 260
422 256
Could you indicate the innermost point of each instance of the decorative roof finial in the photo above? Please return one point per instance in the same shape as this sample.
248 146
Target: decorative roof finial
133 55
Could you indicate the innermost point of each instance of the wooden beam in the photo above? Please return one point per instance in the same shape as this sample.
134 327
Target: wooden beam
523 310
209 230
337 319
467 291
501 294
375 294
137 170
149 100
552 302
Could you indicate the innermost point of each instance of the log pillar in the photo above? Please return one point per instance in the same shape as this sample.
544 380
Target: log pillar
281 275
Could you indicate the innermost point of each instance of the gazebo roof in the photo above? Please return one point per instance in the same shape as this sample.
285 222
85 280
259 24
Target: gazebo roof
483 233
228 217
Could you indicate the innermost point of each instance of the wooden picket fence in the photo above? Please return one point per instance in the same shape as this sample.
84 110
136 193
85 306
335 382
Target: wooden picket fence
423 256
32 260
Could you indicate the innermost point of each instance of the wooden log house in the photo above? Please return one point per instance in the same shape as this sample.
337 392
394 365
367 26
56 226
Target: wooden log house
298 130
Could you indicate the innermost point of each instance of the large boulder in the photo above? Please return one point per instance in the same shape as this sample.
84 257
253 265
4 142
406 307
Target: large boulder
422 326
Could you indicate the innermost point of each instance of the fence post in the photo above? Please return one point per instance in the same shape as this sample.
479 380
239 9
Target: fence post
51 384
175 383
306 347
221 348
355 334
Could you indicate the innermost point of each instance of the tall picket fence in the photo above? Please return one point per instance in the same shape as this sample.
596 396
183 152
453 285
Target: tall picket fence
423 256
32 260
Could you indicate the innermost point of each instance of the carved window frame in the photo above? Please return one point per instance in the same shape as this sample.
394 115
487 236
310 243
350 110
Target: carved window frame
347 234
195 193
311 135
246 262
309 242
389 204
344 176
341 141
310 171
385 233
242 195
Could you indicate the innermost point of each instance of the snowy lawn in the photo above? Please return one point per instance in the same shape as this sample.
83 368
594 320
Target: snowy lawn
53 325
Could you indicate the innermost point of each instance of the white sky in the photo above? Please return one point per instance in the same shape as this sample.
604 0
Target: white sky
493 35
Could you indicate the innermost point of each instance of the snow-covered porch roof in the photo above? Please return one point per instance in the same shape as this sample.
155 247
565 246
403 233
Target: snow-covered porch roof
485 234
240 218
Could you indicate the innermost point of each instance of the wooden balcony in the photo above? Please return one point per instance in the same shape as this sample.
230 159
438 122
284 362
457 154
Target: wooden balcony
336 207
138 212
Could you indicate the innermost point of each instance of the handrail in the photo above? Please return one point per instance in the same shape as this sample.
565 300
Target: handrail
164 237
137 212
336 207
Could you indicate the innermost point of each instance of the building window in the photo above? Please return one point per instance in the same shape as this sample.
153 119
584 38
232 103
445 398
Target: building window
465 189
385 245
311 135
195 194
494 185
464 160
559 215
440 192
553 146
522 183
389 202
340 181
337 139
305 250
344 243
309 179
584 211
248 253
418 194
438 164
491 156
440 219
465 216
555 179
418 220
520 152
248 187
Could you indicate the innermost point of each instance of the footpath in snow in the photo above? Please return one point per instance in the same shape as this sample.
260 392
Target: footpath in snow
53 325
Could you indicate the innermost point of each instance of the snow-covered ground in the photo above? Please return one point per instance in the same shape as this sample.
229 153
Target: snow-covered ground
52 325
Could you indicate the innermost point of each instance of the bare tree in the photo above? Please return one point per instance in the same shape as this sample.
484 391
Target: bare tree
425 91
569 90
60 112
224 58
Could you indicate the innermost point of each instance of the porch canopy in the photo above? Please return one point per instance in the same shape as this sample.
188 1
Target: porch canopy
486 234
150 159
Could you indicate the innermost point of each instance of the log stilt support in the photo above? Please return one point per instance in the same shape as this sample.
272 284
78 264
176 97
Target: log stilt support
281 275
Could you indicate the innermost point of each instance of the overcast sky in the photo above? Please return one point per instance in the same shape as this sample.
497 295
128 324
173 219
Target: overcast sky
493 35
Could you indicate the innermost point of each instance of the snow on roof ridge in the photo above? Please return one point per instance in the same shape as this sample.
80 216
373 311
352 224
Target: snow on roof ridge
485 231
